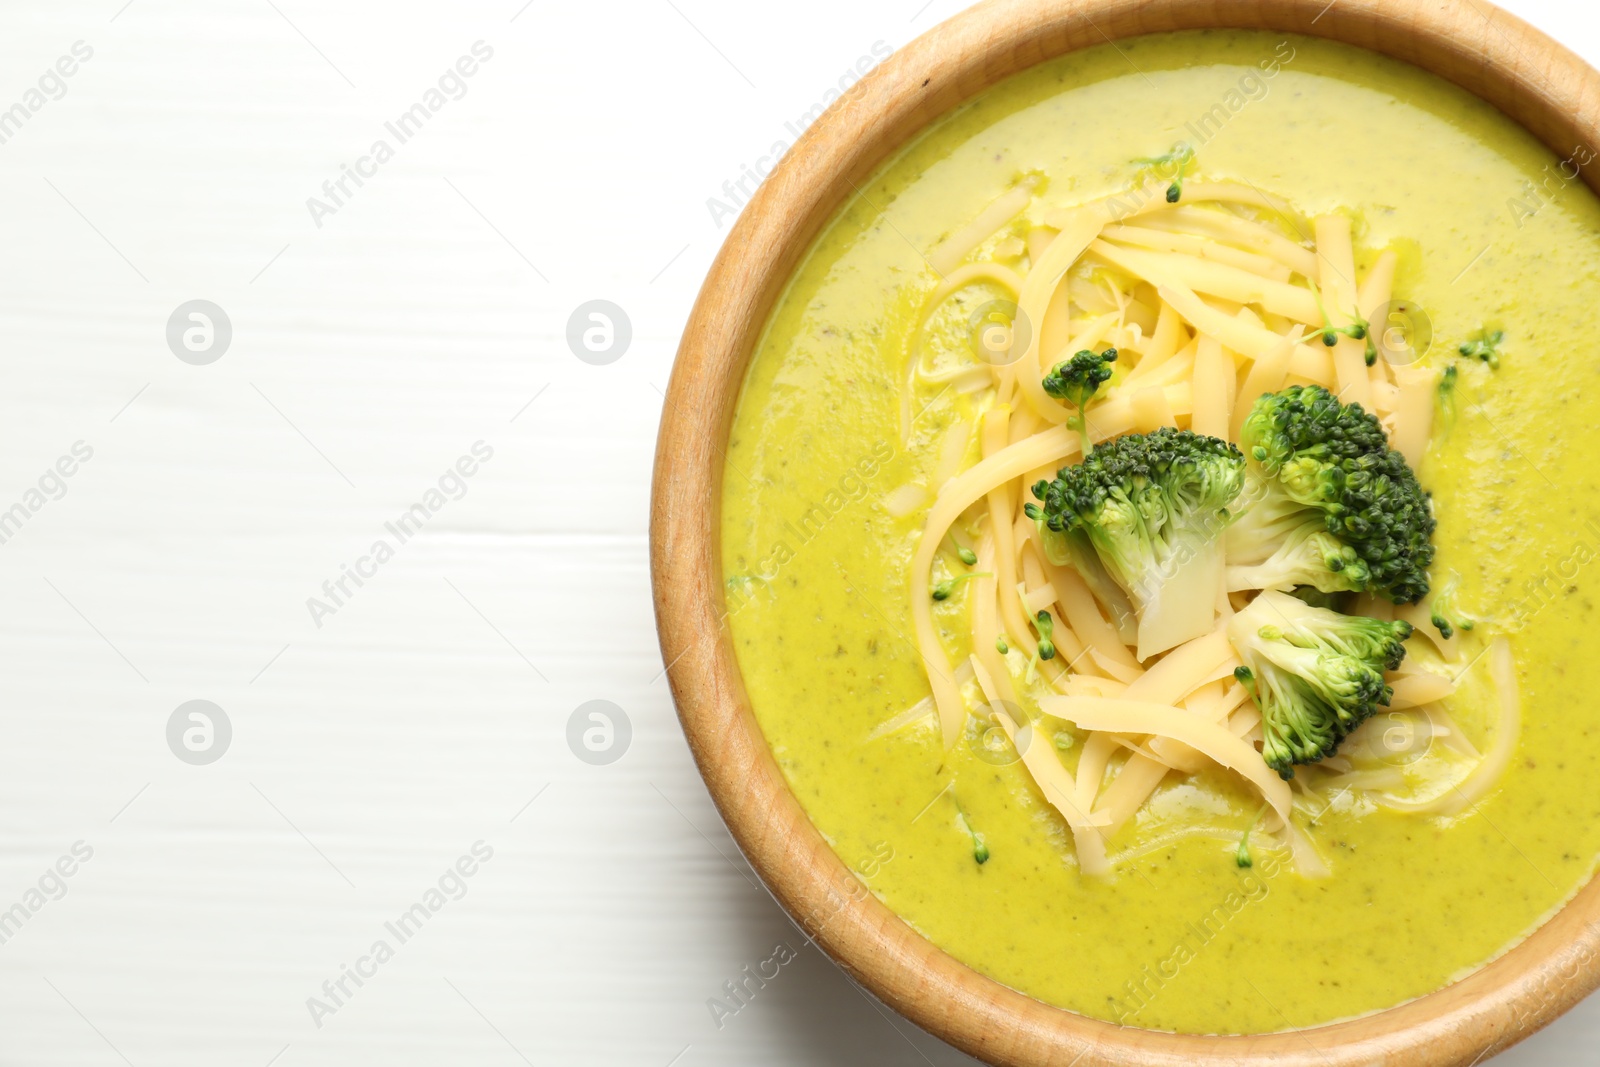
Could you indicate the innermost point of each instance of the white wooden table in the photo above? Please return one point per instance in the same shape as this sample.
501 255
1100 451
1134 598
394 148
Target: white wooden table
383 732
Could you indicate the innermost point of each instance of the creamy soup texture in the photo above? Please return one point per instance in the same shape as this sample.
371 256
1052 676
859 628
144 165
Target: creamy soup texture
1179 937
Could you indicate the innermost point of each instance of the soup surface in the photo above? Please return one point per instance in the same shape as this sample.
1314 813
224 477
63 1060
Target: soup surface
1178 936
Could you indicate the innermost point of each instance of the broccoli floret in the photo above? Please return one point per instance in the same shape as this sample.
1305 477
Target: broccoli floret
1315 674
1152 508
1321 467
1075 380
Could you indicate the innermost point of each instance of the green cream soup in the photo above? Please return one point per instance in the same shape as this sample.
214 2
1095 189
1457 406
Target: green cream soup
1178 936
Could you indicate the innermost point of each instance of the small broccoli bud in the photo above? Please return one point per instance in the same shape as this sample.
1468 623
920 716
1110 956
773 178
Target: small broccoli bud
1242 857
1175 162
1356 330
1447 616
1485 346
963 553
1001 647
1076 380
1046 627
942 590
1447 398
980 847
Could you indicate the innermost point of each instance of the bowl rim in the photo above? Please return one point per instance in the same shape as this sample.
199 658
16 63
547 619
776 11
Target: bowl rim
1538 83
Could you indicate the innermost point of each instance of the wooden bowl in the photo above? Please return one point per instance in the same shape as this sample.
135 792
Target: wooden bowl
1532 79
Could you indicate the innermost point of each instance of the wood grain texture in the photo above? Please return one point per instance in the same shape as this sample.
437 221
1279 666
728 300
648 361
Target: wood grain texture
1532 79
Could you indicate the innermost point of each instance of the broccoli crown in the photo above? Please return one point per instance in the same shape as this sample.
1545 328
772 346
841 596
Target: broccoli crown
1314 674
1335 458
1075 380
1308 422
1142 497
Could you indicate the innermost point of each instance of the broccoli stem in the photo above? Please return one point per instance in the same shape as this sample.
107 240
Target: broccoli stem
1074 550
1183 604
